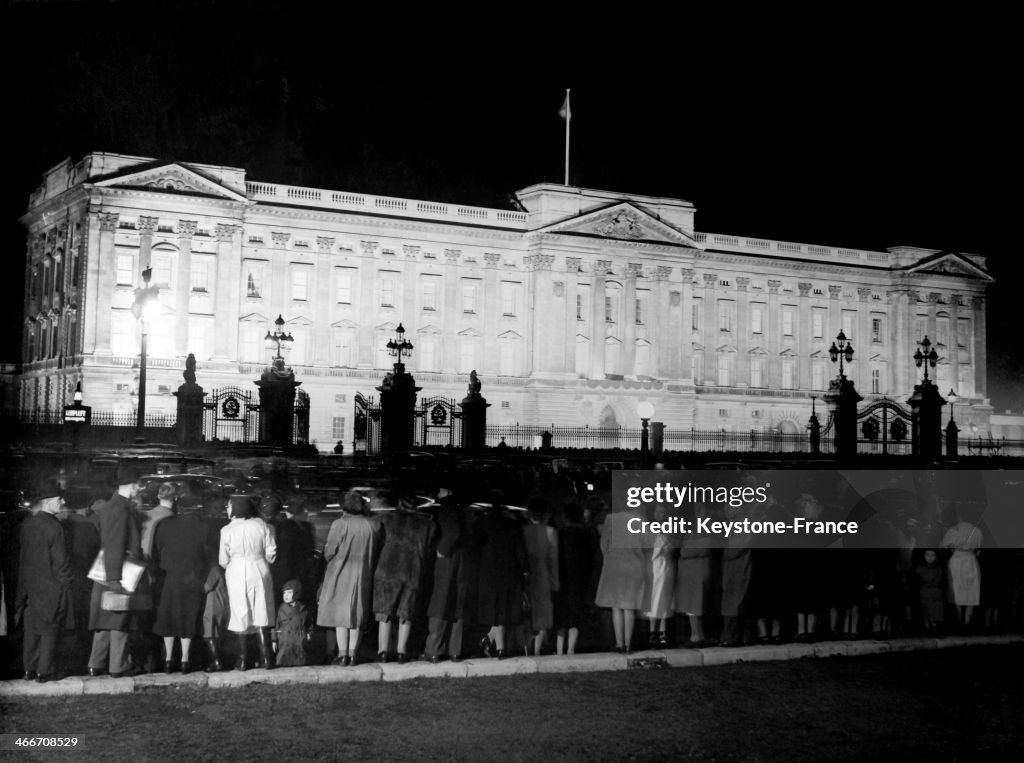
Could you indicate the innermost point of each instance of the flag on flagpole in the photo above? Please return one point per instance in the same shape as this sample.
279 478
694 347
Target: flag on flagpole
564 112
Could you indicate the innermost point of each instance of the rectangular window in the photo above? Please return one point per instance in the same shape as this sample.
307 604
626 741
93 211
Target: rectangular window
125 270
818 324
426 359
509 299
162 266
726 309
697 368
876 329
942 332
788 314
199 274
250 341
343 285
876 381
920 327
200 337
254 279
430 289
963 333
338 428
696 312
469 294
965 381
343 347
300 283
724 369
467 355
639 316
788 374
579 307
756 372
507 358
757 318
818 375
848 318
609 314
122 333
387 289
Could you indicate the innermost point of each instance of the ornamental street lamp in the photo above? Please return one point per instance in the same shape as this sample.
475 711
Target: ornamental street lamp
952 430
645 411
145 308
841 349
951 397
399 347
929 356
279 341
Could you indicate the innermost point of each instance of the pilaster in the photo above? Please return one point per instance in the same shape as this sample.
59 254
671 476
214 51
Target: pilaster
633 271
183 286
366 309
491 308
105 280
774 370
321 354
452 310
228 294
147 227
600 331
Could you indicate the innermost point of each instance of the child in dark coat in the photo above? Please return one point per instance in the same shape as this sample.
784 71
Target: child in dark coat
293 627
931 589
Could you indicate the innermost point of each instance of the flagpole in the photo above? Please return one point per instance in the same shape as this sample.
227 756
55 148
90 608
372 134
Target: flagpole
568 118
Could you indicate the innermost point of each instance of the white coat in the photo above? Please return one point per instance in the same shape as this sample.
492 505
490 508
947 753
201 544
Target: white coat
247 548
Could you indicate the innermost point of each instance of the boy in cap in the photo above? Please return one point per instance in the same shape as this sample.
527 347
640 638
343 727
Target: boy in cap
292 630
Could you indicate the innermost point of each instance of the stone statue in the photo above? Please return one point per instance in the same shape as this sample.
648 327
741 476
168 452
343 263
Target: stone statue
190 369
474 384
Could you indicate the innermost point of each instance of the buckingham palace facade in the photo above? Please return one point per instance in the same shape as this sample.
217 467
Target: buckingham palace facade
572 309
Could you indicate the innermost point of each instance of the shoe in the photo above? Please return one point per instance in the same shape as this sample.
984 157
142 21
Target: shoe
402 658
455 658
186 668
382 656
168 667
663 641
214 665
48 678
133 671
31 675
500 654
435 659
485 647
243 647
266 661
341 662
97 672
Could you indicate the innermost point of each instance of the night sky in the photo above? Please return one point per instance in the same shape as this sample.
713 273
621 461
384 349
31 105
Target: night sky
859 132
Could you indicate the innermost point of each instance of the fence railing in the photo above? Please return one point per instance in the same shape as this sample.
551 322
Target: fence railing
98 418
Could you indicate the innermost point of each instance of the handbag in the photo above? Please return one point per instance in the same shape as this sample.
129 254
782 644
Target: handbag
131 572
125 602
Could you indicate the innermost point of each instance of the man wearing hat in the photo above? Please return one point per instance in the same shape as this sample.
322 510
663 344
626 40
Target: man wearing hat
44 587
119 538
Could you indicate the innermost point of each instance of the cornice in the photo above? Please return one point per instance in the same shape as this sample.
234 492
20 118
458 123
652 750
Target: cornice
175 199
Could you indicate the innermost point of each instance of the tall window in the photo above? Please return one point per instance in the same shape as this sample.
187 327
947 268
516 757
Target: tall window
426 353
756 372
788 314
343 285
848 318
818 375
965 380
430 291
250 342
253 283
200 337
788 374
343 347
199 274
122 333
579 307
724 369
469 296
697 368
609 310
643 359
301 352
726 309
163 265
468 354
696 313
125 270
300 283
818 324
338 428
963 333
509 298
942 331
920 327
508 357
757 318
876 381
876 329
387 289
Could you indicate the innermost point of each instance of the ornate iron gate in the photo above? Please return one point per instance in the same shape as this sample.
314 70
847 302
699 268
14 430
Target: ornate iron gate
366 426
300 420
884 426
440 423
231 414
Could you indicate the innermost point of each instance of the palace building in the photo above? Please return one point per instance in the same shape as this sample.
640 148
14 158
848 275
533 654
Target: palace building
572 309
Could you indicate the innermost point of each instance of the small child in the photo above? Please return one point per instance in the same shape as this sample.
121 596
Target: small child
931 587
292 630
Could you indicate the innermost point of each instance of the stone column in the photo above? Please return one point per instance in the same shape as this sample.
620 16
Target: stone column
277 388
452 311
926 407
633 271
599 331
842 396
280 279
147 226
321 335
686 338
100 280
492 307
186 229
899 374
742 331
933 320
190 396
773 334
803 340
228 293
666 338
980 357
546 338
862 344
474 422
572 269
366 309
954 344
710 335
835 313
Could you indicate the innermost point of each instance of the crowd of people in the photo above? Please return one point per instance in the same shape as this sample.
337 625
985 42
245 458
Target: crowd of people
243 583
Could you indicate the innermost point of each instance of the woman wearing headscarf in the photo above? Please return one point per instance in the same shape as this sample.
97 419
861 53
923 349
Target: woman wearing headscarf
503 574
345 595
247 548
184 549
542 553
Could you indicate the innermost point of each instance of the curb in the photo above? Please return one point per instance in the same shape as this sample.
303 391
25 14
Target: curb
482 668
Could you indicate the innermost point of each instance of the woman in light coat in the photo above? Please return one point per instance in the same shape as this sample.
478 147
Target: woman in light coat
247 549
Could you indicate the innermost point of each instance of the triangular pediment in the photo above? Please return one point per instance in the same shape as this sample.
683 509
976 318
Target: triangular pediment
950 263
254 318
757 351
301 320
726 348
787 353
344 323
818 355
877 358
172 178
623 221
429 329
510 335
471 333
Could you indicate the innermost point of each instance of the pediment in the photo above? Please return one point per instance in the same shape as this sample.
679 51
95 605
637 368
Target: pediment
950 263
344 323
787 353
254 318
470 332
429 329
389 326
877 358
726 348
510 335
301 320
172 178
818 355
623 221
757 351
580 338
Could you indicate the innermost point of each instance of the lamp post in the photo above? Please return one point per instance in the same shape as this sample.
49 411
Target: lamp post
929 356
646 412
952 430
279 341
841 349
399 347
145 308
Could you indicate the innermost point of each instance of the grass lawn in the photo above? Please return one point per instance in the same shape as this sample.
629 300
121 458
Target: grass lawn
959 704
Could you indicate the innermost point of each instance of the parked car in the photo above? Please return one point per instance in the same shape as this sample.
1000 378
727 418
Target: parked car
212 492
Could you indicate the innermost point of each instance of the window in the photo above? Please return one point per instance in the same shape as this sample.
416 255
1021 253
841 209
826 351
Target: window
582 356
507 357
965 381
920 327
338 428
250 343
579 307
343 285
300 283
387 288
300 350
696 311
788 313
199 274
505 404
942 331
643 359
963 333
818 324
756 372
757 318
848 318
468 355
818 375
509 298
254 279
469 292
876 329
788 374
697 368
426 354
200 337
162 267
726 309
609 315
122 333
724 369
639 314
430 289
343 347
125 270
876 381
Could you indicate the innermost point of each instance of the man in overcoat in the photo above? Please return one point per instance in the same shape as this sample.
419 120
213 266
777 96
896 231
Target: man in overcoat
44 588
119 538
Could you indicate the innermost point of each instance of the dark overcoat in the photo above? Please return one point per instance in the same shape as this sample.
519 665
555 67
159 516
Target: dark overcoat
502 564
184 548
445 595
401 567
119 538
44 575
